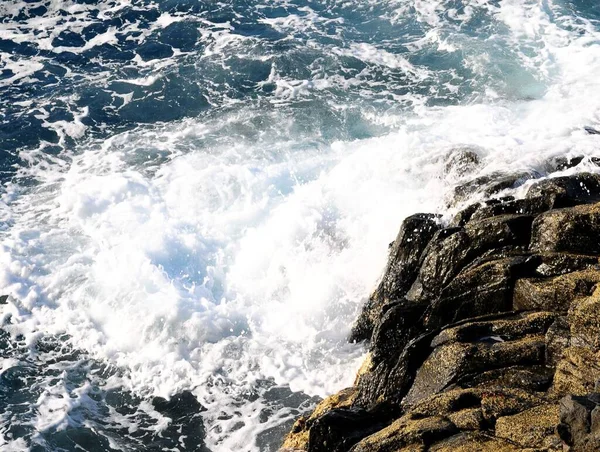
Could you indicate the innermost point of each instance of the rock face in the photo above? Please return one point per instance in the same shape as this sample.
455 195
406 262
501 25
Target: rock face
484 334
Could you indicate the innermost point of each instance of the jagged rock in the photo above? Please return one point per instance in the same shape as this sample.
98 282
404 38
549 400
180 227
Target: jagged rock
580 422
387 383
450 362
450 250
566 191
558 338
492 184
400 273
183 410
577 372
572 230
533 428
339 429
478 329
410 431
480 442
484 289
461 160
555 293
556 264
562 163
584 318
464 351
298 437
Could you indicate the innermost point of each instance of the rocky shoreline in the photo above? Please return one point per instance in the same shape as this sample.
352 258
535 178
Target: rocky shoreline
484 333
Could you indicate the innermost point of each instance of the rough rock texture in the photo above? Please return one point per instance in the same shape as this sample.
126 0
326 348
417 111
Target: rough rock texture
484 334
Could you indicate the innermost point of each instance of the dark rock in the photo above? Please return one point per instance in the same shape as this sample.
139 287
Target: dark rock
461 161
186 421
566 191
562 163
406 431
403 266
555 293
492 184
571 230
480 290
591 130
450 362
580 422
399 324
557 340
339 429
450 250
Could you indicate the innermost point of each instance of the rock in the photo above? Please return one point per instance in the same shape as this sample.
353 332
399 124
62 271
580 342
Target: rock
562 163
183 410
553 294
460 161
400 273
571 230
408 430
580 422
480 442
298 438
451 362
484 289
491 184
591 130
339 429
566 191
478 330
533 428
450 250
577 372
584 318
399 324
555 264
558 339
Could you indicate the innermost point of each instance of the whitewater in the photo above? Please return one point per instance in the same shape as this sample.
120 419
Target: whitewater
199 195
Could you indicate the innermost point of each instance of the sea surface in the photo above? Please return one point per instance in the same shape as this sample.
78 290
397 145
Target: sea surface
197 196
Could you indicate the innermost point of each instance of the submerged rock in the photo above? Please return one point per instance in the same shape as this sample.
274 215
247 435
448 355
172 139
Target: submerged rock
485 334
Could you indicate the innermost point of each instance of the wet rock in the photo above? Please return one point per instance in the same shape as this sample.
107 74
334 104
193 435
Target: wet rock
484 289
566 191
571 230
492 184
591 130
461 161
533 428
562 163
580 422
400 273
553 294
184 410
298 437
450 250
408 430
339 429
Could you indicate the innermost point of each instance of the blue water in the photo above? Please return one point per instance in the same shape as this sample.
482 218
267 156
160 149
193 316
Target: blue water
197 195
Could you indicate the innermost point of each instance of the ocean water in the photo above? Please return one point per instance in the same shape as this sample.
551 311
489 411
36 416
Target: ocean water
197 196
